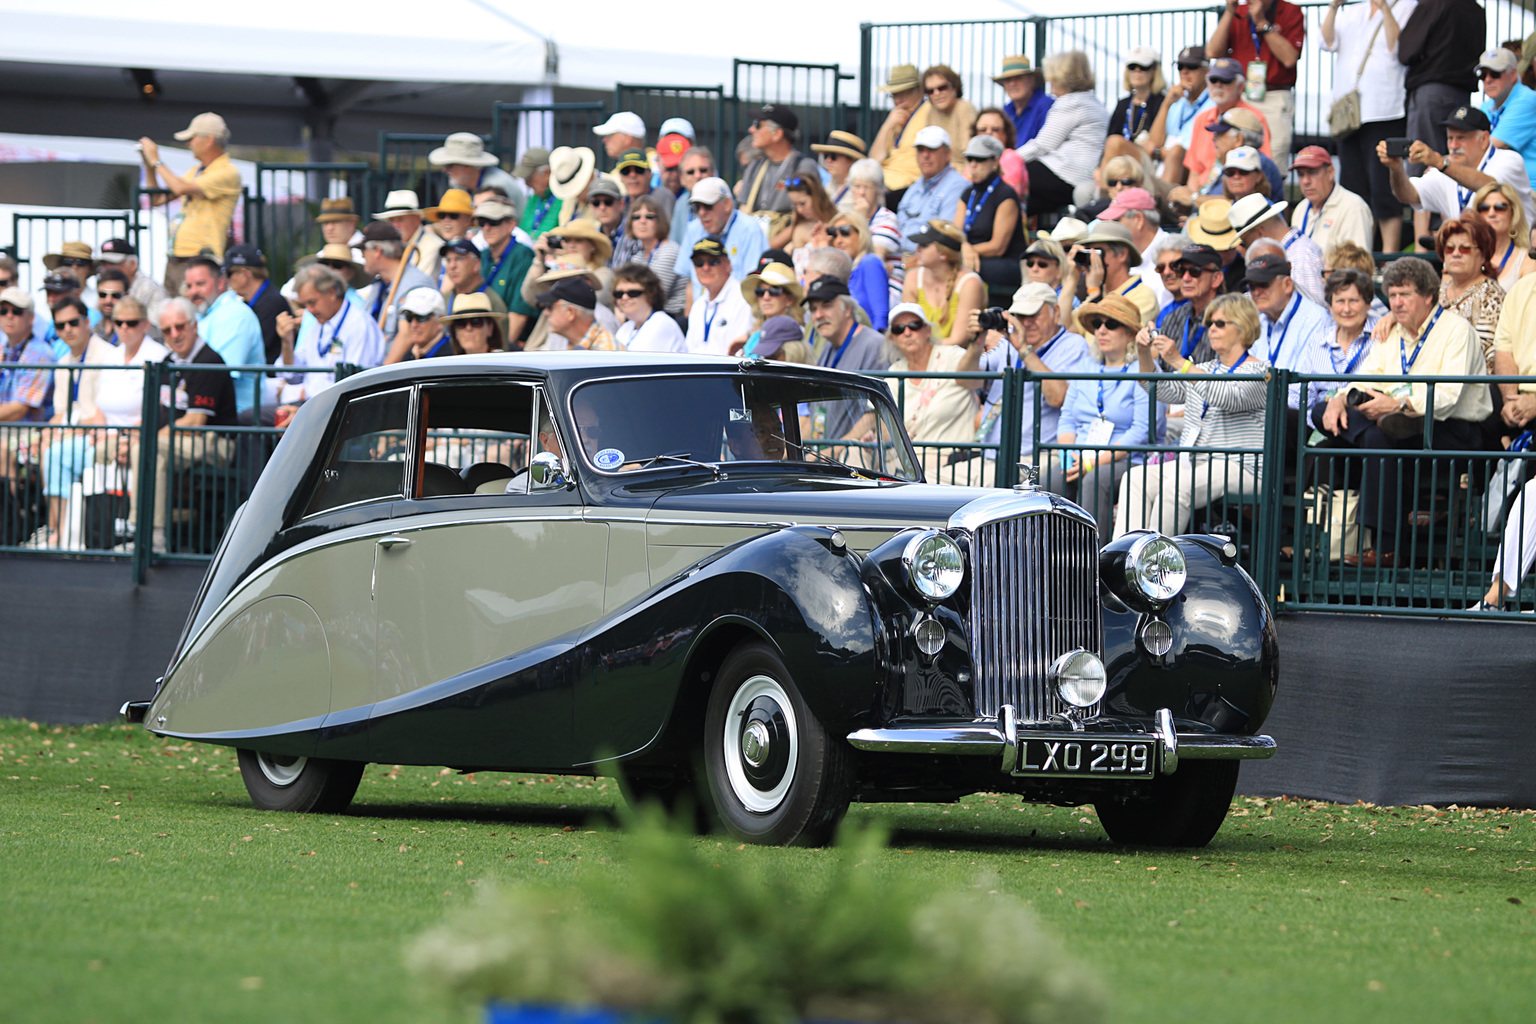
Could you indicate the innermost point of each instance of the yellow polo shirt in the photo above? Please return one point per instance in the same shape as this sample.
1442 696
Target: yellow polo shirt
1516 333
1451 349
203 223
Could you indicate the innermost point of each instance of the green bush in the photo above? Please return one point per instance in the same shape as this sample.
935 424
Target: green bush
699 938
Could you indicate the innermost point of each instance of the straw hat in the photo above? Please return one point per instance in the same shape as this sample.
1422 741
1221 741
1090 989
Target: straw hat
1114 307
401 202
465 148
455 200
332 210
69 251
477 304
1211 225
570 169
901 78
773 274
1016 66
845 143
1067 232
338 252
581 227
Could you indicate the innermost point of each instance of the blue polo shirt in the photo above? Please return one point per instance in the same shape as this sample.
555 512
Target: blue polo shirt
1514 124
743 240
929 199
231 329
1027 122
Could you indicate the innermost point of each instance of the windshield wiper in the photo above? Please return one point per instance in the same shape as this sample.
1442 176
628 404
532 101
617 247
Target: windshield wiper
674 457
820 457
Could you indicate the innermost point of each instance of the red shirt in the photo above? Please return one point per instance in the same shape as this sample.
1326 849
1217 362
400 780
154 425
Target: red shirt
1288 19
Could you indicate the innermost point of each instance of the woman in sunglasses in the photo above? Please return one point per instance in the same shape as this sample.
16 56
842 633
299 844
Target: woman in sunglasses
992 121
1219 413
989 215
638 298
1498 205
120 393
940 413
647 226
1144 85
772 291
869 283
812 209
67 452
1467 284
1100 414
474 327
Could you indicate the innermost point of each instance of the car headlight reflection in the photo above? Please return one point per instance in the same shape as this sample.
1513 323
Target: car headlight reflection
934 565
1155 567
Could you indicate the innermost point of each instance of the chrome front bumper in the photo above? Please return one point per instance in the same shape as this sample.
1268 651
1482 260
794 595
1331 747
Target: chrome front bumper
999 737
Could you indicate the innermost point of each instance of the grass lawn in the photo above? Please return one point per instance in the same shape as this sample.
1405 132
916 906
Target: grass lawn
137 883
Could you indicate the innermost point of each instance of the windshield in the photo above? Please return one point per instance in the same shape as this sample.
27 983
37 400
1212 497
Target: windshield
625 426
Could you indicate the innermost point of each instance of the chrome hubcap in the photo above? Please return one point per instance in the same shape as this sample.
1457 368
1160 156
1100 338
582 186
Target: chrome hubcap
280 769
762 744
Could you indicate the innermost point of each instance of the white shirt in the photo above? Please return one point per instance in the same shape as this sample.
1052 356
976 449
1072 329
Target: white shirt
1382 96
1286 341
714 323
659 333
350 336
1439 192
120 393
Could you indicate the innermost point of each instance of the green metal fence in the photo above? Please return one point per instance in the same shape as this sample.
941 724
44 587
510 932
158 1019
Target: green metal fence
707 107
280 217
517 126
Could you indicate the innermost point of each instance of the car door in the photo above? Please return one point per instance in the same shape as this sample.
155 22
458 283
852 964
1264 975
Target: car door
482 589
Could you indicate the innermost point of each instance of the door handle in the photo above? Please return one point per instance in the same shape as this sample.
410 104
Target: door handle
391 541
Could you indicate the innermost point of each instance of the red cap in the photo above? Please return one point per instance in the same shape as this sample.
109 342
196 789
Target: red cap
1312 156
670 149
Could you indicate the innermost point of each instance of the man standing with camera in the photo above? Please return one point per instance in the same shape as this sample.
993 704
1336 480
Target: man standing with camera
1471 161
1105 260
1028 336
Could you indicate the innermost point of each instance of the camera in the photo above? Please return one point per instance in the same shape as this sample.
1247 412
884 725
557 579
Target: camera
1398 148
992 319
1084 257
553 242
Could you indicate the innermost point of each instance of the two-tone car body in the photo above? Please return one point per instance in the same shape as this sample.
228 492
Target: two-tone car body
710 577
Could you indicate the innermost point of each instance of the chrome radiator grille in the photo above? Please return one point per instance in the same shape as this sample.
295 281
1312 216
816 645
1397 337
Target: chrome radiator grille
1034 597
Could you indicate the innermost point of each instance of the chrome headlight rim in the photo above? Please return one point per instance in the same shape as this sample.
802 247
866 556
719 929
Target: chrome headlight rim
1148 547
928 579
1079 678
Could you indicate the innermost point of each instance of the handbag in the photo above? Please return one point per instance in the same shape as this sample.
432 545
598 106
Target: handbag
1344 115
1331 510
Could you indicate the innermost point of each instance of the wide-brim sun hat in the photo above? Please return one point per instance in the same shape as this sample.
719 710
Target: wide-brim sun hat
570 170
465 148
581 227
1210 226
773 274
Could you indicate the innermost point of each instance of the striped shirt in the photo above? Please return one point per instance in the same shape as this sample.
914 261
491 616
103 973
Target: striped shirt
1071 141
1220 413
32 388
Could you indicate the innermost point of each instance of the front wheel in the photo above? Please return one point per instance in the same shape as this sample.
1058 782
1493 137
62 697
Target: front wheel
774 774
1183 809
280 782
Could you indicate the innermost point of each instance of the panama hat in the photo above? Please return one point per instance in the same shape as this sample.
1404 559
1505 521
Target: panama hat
1016 67
465 148
1251 211
337 252
401 202
1211 226
69 251
844 143
774 274
901 78
570 169
476 305
332 210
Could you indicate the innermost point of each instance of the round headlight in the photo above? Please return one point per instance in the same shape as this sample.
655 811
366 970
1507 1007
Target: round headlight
1079 677
1155 567
934 565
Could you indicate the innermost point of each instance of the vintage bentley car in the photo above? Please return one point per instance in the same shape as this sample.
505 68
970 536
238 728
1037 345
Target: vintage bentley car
717 578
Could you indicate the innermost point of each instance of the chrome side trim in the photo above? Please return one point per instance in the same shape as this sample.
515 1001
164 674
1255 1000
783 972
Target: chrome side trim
1209 747
973 738
1170 738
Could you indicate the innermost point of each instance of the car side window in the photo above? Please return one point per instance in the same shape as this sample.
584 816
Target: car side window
367 458
476 439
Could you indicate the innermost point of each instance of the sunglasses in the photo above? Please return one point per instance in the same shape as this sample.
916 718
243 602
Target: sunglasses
475 321
1486 74
1191 67
1169 268
764 123
700 207
61 325
897 330
978 159
1040 263
487 222
938 88
12 311
71 261
1093 323
1493 208
337 264
705 261
1232 172
642 216
1459 250
1126 182
1188 271
411 317
602 201
1223 324
7 282
633 171
628 293
1140 67
794 182
841 231
114 296
776 290
452 216
130 322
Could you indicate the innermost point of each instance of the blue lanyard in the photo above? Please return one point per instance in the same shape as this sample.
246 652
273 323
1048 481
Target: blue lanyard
541 210
1126 129
1205 403
263 290
974 205
435 349
1402 349
1306 215
1124 369
1253 31
1285 326
335 339
1047 346
1354 360
903 133
1464 195
378 299
710 321
496 270
1507 254
1186 347
844 346
1191 107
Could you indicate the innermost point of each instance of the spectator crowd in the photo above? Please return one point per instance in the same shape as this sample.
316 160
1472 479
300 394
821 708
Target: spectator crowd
1035 229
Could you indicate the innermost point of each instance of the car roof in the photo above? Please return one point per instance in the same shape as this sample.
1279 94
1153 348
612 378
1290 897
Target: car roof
575 366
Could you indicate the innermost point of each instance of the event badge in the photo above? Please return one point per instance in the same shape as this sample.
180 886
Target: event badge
1258 74
819 422
1098 434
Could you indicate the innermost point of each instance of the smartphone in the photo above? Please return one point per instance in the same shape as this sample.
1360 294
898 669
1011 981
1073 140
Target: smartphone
1398 148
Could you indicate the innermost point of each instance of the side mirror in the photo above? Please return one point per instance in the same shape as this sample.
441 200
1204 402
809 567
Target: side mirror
546 473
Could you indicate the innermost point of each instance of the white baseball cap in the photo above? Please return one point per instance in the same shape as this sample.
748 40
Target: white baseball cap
677 126
626 121
909 307
709 191
931 137
1145 56
423 302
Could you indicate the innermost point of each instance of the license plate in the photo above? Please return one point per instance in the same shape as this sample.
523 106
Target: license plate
1107 757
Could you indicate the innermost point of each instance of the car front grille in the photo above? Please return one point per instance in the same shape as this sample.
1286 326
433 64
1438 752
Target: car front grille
1034 597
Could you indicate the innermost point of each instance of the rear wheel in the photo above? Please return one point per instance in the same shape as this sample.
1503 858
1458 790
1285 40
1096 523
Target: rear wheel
280 782
1183 809
775 776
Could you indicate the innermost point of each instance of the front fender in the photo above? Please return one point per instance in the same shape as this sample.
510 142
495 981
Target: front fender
1222 669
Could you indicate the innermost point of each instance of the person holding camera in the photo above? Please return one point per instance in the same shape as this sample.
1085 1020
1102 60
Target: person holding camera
1029 335
1104 261
1450 181
936 411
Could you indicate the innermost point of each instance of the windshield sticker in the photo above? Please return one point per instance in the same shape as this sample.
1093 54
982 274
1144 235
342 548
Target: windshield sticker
609 458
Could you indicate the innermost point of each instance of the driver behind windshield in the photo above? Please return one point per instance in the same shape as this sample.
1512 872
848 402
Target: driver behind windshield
760 440
549 441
